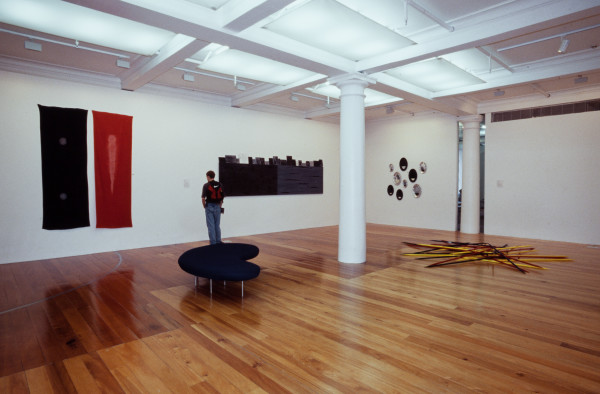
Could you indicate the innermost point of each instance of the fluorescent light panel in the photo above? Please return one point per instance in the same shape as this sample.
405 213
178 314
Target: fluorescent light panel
373 97
83 24
391 13
473 60
212 4
246 65
207 52
335 28
435 75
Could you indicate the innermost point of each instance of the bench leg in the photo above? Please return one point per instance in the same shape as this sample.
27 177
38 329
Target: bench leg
196 281
210 282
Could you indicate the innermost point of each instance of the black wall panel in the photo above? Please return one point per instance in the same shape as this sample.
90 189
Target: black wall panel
264 179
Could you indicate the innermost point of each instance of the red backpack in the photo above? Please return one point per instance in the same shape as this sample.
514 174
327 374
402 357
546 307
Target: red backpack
215 191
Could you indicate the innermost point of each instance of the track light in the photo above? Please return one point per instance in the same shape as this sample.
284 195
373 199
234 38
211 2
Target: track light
561 35
238 85
564 43
389 110
499 93
537 87
580 79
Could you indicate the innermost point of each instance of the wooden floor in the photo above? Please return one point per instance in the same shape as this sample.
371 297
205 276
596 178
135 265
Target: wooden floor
132 321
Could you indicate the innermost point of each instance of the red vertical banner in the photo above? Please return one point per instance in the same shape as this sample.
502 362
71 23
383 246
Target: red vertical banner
112 166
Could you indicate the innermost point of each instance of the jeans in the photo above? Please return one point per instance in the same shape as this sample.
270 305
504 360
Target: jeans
213 222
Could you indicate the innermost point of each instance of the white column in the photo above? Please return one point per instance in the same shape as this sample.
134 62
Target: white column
469 217
352 243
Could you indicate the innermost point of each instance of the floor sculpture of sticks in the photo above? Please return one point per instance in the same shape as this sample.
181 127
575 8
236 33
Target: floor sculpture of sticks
520 258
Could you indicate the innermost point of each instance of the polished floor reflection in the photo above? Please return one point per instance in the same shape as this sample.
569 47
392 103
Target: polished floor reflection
132 321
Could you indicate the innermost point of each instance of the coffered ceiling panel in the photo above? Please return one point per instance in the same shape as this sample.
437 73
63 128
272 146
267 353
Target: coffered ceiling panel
426 56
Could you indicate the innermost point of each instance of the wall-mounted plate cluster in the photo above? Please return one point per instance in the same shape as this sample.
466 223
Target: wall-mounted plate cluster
402 177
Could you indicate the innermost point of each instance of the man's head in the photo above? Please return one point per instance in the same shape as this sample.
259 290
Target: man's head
210 175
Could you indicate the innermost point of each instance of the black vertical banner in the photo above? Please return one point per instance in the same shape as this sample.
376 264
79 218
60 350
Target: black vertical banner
64 167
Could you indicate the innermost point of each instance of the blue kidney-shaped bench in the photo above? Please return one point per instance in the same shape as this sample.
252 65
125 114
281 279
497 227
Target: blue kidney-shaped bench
224 261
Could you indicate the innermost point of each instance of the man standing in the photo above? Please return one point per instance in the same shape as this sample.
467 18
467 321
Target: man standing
212 200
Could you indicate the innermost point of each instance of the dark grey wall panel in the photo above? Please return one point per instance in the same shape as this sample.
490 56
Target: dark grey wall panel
299 180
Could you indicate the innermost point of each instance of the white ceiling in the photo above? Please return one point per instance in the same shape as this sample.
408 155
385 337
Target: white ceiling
277 55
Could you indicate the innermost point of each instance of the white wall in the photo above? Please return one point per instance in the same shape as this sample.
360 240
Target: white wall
175 141
542 178
432 139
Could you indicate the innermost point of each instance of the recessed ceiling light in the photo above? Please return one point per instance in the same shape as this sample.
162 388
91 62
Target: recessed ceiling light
123 63
335 28
188 77
435 75
79 23
33 46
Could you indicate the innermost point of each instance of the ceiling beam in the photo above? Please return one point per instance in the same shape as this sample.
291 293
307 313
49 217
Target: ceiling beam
526 73
172 54
322 112
430 15
267 91
58 72
537 88
496 59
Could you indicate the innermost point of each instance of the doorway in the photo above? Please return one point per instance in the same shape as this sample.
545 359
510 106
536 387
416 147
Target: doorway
481 176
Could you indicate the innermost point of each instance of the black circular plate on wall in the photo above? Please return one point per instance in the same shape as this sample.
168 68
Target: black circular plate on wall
412 175
403 164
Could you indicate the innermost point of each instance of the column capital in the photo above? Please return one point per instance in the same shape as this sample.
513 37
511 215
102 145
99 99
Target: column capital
472 120
355 77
